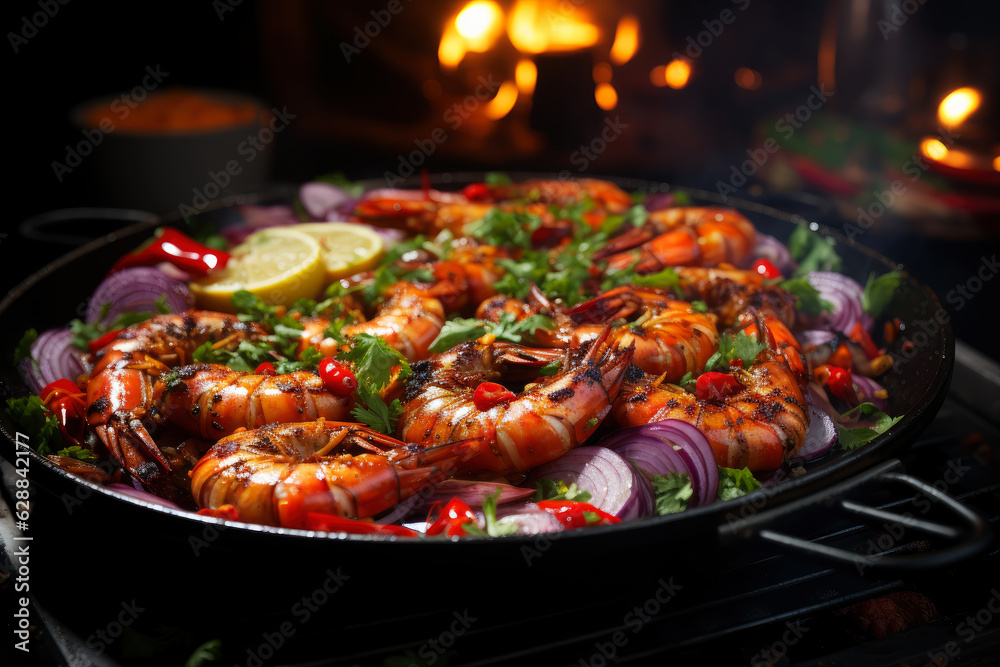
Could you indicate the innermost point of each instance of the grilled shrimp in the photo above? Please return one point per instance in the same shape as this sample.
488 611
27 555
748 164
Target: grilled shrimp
212 401
758 426
691 236
277 474
409 320
735 295
520 431
606 196
120 391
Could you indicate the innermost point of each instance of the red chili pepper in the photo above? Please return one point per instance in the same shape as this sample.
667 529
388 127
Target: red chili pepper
716 385
476 192
227 512
490 394
332 523
337 377
266 368
451 520
69 404
572 513
99 343
766 269
170 245
861 337
839 381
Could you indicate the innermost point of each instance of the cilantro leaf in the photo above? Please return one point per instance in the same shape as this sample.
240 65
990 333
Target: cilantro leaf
374 360
507 329
736 482
84 333
699 306
637 215
338 178
505 228
77 452
493 528
879 292
852 438
550 368
558 490
375 412
672 491
741 346
23 349
812 252
807 298
688 382
28 413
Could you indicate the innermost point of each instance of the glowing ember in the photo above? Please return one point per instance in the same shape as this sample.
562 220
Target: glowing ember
958 105
606 96
933 149
996 163
504 101
748 79
525 75
626 40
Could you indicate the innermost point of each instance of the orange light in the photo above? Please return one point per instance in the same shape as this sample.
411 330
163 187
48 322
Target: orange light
626 40
606 96
452 48
958 105
534 27
658 76
602 73
526 74
479 23
748 79
933 149
677 73
996 163
503 102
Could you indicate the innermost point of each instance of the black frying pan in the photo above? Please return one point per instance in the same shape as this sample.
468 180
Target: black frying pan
187 550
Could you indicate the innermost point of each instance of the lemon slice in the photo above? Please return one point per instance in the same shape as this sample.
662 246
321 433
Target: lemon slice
280 265
347 248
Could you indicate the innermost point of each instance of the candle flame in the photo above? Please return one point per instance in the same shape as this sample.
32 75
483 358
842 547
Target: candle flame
958 105
626 40
526 74
535 27
479 23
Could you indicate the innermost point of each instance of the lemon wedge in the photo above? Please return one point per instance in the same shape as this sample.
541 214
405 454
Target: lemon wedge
347 248
280 265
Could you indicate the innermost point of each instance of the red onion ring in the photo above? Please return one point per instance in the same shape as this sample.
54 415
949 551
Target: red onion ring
844 294
613 483
866 390
56 357
820 435
322 199
136 290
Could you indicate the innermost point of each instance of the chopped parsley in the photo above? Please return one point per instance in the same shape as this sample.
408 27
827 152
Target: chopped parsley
807 298
28 413
879 292
505 228
736 482
673 491
852 438
373 361
507 329
812 251
84 333
740 347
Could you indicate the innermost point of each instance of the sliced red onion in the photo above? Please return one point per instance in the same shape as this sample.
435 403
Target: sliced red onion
29 373
136 290
473 493
414 195
820 435
867 388
844 293
146 496
532 523
774 251
56 357
694 443
321 199
613 484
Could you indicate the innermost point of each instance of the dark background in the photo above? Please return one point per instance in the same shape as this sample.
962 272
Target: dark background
359 117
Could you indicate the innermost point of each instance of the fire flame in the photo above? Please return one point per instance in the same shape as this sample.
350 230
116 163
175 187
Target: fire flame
626 40
474 30
525 75
958 105
933 149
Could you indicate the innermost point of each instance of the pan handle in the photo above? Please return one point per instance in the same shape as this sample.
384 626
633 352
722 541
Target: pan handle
46 226
972 536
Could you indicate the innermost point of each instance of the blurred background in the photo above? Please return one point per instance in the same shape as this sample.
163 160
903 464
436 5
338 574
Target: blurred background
878 118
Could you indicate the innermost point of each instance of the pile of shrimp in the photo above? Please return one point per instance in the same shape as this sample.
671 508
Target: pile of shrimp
276 447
